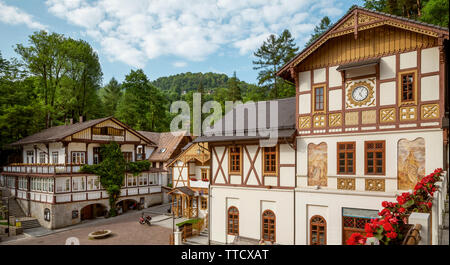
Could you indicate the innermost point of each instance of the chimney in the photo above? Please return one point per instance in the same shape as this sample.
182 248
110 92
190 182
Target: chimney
81 118
71 121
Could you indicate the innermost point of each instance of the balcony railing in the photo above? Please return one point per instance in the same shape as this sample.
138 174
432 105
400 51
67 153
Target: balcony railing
42 168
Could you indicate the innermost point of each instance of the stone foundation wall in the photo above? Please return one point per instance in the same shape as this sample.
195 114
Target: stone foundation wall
61 214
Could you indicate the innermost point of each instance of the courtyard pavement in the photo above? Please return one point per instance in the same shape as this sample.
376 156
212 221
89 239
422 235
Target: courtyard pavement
125 228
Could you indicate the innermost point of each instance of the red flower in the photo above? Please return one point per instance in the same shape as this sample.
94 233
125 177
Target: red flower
429 204
391 235
385 204
401 210
387 226
356 239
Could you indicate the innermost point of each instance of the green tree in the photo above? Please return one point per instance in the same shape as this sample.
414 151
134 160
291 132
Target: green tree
111 95
429 11
233 88
436 12
46 58
20 108
78 93
271 56
324 25
142 106
112 171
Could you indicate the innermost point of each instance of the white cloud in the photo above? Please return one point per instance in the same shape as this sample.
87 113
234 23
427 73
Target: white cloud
135 31
179 64
14 16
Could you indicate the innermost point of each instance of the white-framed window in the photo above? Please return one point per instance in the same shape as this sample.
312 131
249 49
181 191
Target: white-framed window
78 184
78 158
93 183
55 157
41 157
152 178
143 180
62 185
2 181
30 157
132 181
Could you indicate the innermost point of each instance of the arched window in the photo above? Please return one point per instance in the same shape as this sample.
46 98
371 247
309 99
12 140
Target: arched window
233 221
47 214
268 226
318 228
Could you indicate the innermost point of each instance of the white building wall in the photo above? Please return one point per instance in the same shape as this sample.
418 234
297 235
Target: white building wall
251 203
329 205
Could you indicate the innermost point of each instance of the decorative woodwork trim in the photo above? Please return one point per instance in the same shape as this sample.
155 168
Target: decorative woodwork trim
335 120
375 184
429 111
388 115
304 122
367 100
346 183
408 113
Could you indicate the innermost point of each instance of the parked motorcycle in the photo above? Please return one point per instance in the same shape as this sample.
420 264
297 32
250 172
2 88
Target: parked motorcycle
145 220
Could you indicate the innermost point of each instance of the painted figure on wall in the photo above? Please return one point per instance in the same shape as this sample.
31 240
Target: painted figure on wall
317 164
411 162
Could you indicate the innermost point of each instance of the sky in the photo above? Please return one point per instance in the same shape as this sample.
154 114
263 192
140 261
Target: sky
167 37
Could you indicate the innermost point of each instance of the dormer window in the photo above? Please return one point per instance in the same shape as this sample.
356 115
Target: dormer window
162 150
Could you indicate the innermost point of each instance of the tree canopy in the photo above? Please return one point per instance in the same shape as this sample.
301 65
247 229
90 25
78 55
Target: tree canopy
270 57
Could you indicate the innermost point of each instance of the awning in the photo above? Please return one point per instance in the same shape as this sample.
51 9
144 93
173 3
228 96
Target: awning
348 66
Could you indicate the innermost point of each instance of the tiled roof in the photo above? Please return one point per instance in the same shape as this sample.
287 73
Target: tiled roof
58 133
285 125
167 144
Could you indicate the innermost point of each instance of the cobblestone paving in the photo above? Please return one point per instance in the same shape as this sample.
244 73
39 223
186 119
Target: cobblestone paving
126 230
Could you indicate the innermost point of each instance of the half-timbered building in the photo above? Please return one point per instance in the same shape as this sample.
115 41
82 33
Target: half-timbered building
372 118
49 186
190 172
252 182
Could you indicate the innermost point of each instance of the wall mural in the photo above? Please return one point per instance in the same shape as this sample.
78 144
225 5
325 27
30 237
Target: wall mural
317 164
411 162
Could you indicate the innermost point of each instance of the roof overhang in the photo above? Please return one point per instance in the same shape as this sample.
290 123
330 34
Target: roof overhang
360 64
346 25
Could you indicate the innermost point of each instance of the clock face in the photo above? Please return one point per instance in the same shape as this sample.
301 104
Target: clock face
360 93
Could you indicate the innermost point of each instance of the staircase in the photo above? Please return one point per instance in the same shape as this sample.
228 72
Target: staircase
16 211
201 239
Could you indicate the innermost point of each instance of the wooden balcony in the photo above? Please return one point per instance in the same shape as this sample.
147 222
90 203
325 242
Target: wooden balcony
42 168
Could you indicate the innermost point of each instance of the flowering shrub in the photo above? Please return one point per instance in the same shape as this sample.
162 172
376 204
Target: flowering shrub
388 228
